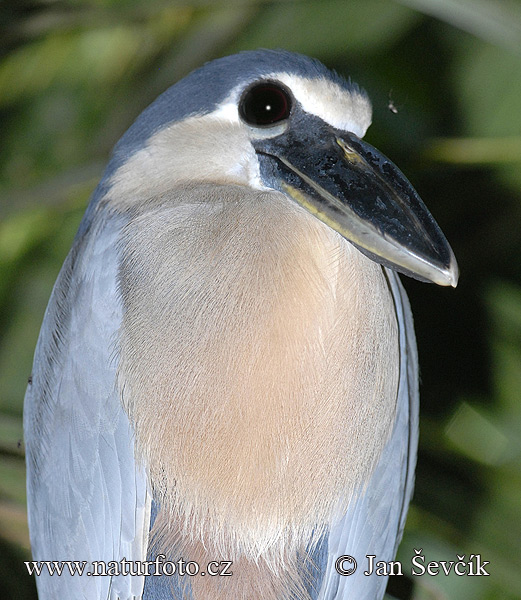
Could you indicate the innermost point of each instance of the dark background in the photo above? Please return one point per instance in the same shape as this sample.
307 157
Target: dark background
74 75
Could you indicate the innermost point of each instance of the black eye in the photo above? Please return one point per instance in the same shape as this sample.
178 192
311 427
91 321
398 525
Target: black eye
265 104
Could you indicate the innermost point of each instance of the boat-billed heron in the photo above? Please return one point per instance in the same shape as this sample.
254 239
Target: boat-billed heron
226 374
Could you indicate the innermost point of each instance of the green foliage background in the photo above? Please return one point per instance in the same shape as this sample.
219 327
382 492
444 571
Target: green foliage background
75 73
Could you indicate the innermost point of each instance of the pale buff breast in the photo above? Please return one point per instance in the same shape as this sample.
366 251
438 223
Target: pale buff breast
259 364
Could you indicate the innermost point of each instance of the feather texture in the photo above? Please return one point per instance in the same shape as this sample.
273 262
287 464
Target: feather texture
87 496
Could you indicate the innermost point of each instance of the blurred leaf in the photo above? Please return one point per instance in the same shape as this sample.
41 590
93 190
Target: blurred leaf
20 232
11 435
12 480
488 83
475 435
497 21
13 526
329 27
474 151
504 302
79 56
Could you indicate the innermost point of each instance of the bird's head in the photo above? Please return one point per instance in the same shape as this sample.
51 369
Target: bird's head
277 120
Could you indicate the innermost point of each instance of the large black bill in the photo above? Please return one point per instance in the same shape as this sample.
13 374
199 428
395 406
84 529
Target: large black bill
360 193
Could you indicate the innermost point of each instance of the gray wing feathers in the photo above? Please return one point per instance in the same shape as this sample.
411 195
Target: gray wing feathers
375 518
87 497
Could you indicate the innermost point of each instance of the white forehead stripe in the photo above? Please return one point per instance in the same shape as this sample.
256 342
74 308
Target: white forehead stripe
348 110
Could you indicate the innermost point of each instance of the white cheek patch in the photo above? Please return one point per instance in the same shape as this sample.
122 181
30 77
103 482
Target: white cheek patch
228 110
206 148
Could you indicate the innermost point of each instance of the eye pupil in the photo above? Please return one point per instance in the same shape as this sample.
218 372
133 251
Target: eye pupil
265 104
